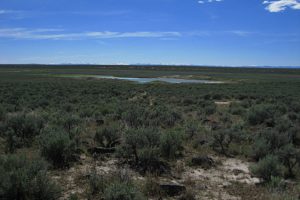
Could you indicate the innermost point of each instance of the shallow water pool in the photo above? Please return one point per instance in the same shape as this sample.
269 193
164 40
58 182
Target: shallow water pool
148 80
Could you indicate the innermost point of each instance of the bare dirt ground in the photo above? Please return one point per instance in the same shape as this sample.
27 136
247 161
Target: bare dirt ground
217 179
222 103
74 180
206 184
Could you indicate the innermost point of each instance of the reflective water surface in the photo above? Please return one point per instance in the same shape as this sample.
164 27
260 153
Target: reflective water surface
167 80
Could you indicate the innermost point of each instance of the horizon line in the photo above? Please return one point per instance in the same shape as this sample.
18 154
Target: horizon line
158 65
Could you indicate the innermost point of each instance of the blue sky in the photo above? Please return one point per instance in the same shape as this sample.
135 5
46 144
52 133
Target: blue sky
206 32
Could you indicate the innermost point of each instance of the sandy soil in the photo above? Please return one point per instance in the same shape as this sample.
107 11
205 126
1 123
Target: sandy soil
218 178
207 184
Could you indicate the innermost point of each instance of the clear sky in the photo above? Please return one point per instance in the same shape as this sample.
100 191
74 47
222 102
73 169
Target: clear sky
206 32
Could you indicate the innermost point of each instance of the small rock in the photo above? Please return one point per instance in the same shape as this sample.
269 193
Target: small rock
172 189
237 172
205 162
226 184
82 157
203 142
99 122
101 150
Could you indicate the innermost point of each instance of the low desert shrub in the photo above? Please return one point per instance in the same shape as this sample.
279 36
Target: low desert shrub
276 184
141 148
73 197
294 135
221 139
23 178
12 142
188 195
58 148
150 161
115 186
191 129
210 108
268 142
24 126
295 106
122 191
171 144
283 125
133 117
70 122
260 114
108 136
236 109
268 167
97 183
151 186
162 116
260 148
289 157
2 113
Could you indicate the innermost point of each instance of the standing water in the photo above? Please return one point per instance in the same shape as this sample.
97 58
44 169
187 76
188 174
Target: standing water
148 80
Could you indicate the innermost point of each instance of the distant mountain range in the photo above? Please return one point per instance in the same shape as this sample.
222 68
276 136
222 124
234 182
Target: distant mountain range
246 66
165 65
